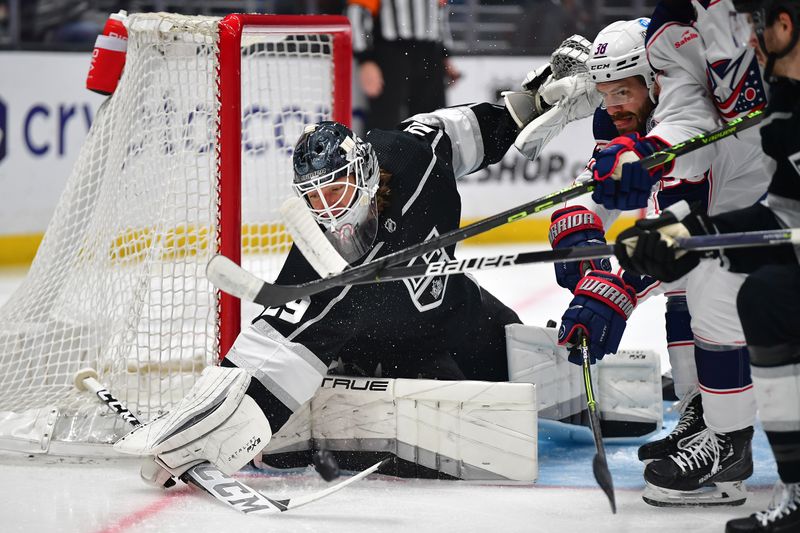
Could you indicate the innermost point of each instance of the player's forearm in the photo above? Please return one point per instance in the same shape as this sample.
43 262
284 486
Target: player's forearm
480 134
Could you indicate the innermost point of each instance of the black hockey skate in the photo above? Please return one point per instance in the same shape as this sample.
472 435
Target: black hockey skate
708 470
690 422
783 515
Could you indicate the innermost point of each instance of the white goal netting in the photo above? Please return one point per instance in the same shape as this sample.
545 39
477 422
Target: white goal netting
118 283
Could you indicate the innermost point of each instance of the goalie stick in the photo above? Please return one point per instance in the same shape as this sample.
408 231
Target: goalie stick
733 127
207 477
599 464
231 278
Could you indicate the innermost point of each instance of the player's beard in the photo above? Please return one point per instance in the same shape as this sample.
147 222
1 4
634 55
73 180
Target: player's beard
638 120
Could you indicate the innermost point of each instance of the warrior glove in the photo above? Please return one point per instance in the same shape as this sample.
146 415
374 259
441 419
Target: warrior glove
623 183
576 226
602 304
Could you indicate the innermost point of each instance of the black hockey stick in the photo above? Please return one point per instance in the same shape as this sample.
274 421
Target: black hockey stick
231 278
599 464
207 477
698 141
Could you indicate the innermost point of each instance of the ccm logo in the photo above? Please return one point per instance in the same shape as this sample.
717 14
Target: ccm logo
355 384
601 66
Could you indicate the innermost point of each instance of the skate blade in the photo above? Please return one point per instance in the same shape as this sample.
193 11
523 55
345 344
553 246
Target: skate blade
727 493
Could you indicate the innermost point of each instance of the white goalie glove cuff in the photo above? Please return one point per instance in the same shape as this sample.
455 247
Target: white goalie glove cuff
215 422
540 131
573 98
576 95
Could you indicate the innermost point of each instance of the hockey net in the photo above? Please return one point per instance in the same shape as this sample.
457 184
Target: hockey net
186 159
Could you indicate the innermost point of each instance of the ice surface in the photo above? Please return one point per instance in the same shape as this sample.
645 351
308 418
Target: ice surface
44 494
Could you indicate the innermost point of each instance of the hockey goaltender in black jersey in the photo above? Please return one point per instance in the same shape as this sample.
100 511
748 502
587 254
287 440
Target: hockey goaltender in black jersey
444 327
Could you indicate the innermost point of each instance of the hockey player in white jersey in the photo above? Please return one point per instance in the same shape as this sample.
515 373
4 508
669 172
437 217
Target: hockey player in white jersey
683 43
618 66
767 299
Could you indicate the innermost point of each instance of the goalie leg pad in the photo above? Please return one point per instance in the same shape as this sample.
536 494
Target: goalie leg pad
215 422
467 429
628 384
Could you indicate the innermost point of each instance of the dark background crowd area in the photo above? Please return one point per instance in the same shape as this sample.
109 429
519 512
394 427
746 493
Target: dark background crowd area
478 27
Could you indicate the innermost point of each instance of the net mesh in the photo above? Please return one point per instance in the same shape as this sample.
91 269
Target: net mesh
118 283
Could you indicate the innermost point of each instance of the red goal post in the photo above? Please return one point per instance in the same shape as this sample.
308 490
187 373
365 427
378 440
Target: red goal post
231 29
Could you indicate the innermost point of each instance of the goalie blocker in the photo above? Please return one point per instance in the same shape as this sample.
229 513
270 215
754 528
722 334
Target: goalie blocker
473 430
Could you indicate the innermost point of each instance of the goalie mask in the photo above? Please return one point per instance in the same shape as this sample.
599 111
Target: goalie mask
618 52
337 173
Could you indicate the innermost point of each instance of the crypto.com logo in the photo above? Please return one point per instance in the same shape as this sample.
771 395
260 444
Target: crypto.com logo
3 129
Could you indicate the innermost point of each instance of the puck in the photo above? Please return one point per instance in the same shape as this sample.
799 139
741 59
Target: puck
325 464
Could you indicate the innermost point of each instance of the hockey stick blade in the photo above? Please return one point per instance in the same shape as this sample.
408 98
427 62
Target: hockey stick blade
599 464
310 239
209 478
233 279
603 477
733 127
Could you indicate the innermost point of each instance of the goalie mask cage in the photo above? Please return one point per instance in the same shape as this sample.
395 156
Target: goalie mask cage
189 157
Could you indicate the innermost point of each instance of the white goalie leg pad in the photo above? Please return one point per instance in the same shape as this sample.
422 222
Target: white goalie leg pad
627 384
467 429
215 422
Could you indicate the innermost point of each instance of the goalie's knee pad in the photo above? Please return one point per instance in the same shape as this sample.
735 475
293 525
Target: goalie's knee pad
216 422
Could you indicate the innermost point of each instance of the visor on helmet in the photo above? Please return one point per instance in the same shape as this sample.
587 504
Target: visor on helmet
616 97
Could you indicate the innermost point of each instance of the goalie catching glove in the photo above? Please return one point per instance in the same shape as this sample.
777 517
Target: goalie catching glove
216 422
602 304
553 95
649 247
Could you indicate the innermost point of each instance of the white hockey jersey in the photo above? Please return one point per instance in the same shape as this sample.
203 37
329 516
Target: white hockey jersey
705 80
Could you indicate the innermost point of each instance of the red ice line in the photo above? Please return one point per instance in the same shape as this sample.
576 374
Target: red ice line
154 508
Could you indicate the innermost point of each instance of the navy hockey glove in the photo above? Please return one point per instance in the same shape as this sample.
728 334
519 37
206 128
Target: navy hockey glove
576 226
649 247
622 183
601 306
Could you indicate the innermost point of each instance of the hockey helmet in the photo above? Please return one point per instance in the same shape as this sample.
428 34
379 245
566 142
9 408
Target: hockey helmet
618 52
337 174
